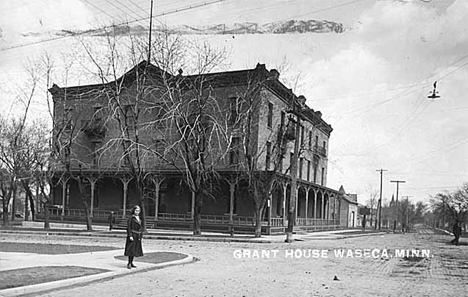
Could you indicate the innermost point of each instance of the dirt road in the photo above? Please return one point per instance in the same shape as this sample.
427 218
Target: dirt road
415 264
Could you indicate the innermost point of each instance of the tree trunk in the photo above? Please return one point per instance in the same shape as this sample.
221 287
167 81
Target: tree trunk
33 208
258 220
13 206
46 216
289 230
29 197
5 213
89 220
142 204
197 214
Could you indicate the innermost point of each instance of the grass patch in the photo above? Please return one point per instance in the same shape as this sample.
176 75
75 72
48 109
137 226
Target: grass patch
42 274
156 257
50 249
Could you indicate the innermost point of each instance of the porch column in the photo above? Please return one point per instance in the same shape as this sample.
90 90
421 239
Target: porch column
192 209
306 203
157 188
283 211
269 202
315 205
296 205
232 189
322 206
38 204
125 183
328 208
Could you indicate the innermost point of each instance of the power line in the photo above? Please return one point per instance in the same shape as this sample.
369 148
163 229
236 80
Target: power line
119 24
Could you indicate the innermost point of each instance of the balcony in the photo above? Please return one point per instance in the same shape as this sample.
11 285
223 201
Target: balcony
95 129
321 151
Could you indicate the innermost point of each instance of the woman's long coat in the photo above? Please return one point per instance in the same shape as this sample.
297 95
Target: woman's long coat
133 248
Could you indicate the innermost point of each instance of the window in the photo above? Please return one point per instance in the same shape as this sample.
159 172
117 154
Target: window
159 146
283 117
280 165
97 114
308 170
315 173
323 176
291 157
301 165
234 152
316 141
302 135
324 148
270 115
310 139
233 110
268 156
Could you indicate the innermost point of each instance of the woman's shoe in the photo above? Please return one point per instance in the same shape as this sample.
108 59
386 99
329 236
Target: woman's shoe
133 266
129 266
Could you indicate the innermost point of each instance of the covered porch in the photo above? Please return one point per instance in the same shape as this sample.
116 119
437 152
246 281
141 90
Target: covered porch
168 203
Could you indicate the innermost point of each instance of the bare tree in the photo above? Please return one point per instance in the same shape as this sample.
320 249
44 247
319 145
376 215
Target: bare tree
451 206
148 101
411 213
372 201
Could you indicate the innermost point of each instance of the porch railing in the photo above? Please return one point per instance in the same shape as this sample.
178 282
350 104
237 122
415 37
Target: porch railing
206 219
81 213
316 222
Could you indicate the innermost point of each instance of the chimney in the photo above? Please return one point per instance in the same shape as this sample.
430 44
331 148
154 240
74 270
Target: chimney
302 100
274 74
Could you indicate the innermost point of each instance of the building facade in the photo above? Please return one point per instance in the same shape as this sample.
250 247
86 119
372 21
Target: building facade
349 210
117 146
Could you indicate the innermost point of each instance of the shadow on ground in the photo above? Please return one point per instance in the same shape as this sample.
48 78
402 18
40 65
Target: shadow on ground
156 257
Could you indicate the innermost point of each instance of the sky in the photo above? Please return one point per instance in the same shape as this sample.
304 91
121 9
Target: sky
370 82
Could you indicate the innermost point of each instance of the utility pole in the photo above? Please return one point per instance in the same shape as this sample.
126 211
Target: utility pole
150 32
293 195
396 202
380 199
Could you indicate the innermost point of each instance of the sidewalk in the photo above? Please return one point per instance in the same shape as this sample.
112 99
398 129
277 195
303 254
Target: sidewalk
164 234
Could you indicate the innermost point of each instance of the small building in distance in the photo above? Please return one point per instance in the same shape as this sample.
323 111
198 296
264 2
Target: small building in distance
349 210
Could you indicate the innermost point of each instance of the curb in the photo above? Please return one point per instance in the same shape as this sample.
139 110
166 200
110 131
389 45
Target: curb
84 280
147 236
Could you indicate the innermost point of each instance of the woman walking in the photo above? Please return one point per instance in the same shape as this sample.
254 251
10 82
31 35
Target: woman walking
133 244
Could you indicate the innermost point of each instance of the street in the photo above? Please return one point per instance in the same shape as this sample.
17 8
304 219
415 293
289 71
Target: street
359 266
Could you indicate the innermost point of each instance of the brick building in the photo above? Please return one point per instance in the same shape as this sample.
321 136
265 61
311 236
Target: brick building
86 128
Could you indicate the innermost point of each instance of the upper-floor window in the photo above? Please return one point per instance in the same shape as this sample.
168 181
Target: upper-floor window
310 139
270 115
233 101
234 151
268 156
301 166
315 173
316 140
323 176
325 148
302 135
308 170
